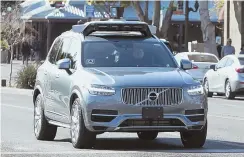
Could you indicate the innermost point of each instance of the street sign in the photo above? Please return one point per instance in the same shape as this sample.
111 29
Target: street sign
89 10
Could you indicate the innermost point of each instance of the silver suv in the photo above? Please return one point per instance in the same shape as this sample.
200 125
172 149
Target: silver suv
116 76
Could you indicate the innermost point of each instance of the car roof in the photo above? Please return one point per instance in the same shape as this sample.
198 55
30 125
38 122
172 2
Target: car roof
120 38
233 56
164 40
197 53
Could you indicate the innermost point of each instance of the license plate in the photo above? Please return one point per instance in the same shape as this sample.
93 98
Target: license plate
152 112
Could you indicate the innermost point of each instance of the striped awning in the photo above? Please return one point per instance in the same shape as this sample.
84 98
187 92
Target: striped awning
75 9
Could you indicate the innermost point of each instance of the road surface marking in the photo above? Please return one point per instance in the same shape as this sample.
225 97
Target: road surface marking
237 106
227 117
19 107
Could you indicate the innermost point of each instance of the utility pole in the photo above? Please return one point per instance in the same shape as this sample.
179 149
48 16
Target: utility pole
187 11
186 24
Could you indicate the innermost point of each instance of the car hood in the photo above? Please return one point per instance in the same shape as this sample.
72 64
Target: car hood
139 77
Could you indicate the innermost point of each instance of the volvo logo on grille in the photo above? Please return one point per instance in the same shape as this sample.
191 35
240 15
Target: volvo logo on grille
152 96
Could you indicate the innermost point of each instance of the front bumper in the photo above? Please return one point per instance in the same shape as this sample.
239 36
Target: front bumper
109 114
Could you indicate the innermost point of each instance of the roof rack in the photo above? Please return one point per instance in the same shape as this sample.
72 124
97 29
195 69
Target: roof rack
115 25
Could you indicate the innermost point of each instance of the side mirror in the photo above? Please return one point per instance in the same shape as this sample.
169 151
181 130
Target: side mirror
213 67
185 64
64 63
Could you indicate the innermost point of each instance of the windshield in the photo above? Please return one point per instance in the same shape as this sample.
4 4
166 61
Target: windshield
241 60
203 58
126 54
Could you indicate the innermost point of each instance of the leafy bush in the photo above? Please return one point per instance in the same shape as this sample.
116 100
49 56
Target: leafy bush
4 44
26 77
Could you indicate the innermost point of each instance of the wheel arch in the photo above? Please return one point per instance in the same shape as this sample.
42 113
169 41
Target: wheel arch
75 93
36 92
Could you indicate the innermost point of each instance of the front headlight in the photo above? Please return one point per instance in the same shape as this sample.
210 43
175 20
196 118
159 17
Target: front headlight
100 90
195 90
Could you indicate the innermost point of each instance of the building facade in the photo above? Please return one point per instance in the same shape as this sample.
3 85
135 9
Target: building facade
50 21
234 23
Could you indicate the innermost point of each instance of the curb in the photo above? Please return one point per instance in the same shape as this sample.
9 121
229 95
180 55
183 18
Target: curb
8 90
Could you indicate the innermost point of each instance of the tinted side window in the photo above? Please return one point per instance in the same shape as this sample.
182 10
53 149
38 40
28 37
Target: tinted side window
75 48
64 48
229 62
222 63
54 51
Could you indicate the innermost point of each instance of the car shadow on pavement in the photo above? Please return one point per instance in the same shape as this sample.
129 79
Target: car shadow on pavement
164 144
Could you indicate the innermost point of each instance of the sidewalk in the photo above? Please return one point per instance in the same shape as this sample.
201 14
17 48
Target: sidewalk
7 90
5 70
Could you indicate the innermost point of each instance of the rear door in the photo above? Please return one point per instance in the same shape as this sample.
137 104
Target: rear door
223 74
213 78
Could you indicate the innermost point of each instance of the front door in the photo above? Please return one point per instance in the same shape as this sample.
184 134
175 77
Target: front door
48 88
214 83
63 80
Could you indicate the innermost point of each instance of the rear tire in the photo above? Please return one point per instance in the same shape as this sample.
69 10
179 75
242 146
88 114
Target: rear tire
206 87
81 137
228 91
147 135
194 139
42 130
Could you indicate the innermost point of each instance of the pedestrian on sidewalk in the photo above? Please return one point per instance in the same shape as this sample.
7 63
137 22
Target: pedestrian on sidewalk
242 49
219 48
26 51
228 49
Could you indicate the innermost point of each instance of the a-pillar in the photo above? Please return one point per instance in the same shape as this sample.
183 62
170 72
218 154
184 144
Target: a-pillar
49 31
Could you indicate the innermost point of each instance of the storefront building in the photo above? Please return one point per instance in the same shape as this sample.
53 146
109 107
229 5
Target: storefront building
51 21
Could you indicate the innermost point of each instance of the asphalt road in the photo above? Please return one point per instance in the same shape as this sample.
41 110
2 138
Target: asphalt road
225 134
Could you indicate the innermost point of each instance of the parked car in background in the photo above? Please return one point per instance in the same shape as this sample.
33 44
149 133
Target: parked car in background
201 63
227 77
167 43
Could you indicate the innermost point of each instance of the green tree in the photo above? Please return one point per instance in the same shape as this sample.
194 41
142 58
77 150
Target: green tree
13 29
208 29
106 4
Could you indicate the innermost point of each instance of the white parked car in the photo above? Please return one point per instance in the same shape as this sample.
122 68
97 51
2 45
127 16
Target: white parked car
226 77
201 63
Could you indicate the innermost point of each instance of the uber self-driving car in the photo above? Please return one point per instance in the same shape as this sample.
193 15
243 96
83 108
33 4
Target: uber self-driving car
116 76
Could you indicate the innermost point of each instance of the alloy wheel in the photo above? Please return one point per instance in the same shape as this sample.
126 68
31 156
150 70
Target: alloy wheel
37 116
227 89
75 123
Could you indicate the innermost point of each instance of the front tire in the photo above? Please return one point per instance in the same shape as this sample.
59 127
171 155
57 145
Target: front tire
81 137
42 130
206 87
147 135
228 91
194 139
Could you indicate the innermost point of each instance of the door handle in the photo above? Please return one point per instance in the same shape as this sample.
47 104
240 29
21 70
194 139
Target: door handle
45 72
57 75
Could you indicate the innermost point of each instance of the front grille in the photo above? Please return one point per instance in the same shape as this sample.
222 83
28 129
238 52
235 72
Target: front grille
167 96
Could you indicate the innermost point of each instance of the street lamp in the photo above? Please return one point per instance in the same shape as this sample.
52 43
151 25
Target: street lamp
9 9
